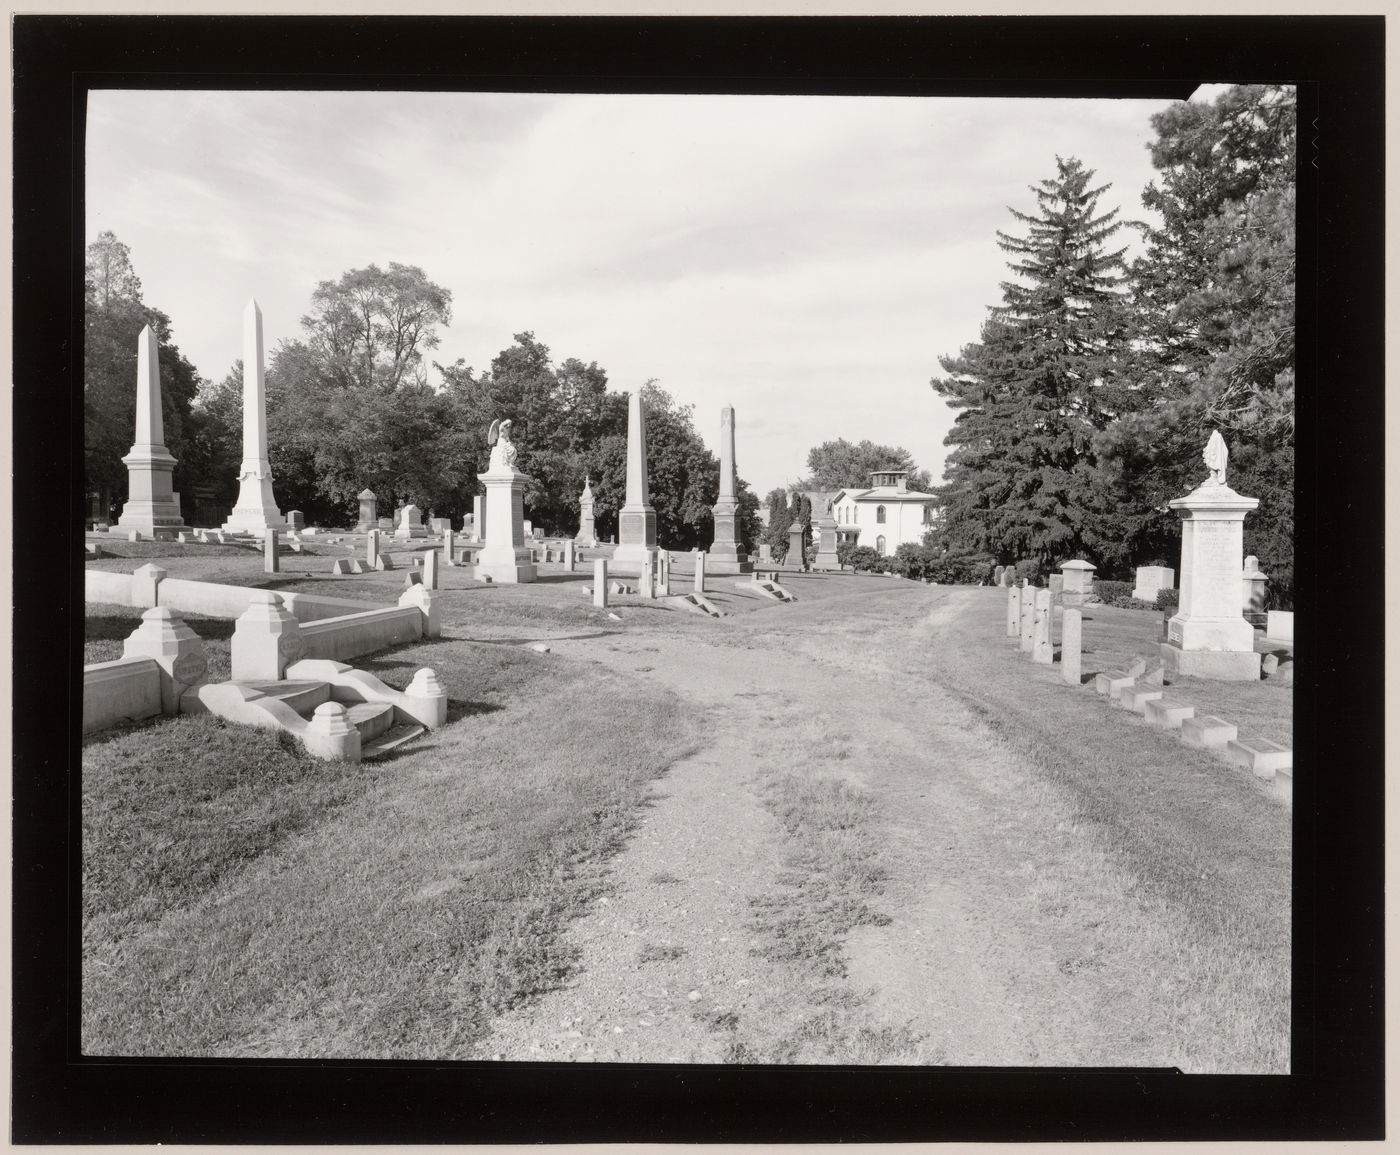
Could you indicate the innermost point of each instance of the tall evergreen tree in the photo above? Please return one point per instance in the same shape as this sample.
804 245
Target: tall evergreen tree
1214 302
1022 480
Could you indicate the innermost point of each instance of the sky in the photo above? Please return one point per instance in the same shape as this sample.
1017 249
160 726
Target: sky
806 259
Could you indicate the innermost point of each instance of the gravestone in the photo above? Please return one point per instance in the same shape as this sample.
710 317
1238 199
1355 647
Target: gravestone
727 554
647 578
152 507
478 518
1043 648
410 523
295 519
386 525
996 575
372 548
504 557
586 535
270 562
1013 612
255 510
796 556
600 582
1071 646
567 556
1027 619
663 573
449 546
765 553
1208 636
1254 593
826 544
1151 579
1057 584
369 519
637 518
1078 582
441 525
699 572
430 569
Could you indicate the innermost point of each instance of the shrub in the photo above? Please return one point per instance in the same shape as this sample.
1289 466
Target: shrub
1168 599
1030 570
863 559
1111 592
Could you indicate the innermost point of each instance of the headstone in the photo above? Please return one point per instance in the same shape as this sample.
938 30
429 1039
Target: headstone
386 525
449 546
1072 646
1043 649
567 556
412 578
1078 584
796 555
1208 636
637 518
440 525
410 523
727 555
478 518
600 582
996 575
1057 584
255 510
341 565
647 578
152 507
372 547
1151 579
699 572
1255 592
369 518
1279 626
430 569
587 534
826 544
270 562
295 519
1027 619
765 553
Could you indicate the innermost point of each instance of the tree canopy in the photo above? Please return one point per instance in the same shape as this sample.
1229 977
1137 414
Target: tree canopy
840 464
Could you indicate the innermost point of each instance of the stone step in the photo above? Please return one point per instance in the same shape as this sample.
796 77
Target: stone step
1208 733
1168 713
1260 755
391 740
1135 698
371 719
303 697
1111 682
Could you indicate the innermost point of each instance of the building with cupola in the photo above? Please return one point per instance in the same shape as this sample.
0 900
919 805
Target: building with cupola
886 515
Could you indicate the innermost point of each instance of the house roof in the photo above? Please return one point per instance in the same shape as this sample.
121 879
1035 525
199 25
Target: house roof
885 493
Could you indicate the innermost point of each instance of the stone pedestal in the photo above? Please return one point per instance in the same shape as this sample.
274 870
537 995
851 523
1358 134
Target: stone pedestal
176 648
1208 636
369 515
600 582
1255 593
266 639
1078 583
504 557
151 507
826 544
636 522
795 555
1072 646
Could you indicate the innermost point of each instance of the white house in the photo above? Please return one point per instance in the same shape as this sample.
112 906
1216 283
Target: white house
885 515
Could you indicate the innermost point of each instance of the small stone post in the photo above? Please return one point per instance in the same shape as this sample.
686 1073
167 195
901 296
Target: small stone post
1013 612
1071 647
1043 650
176 648
1027 619
567 556
600 582
699 572
430 569
330 734
427 699
647 579
478 518
663 574
449 547
266 638
372 549
145 585
270 562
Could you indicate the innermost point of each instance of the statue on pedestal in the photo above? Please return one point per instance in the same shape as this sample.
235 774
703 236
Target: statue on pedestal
1216 455
502 449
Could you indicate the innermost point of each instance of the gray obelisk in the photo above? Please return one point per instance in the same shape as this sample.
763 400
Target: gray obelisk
150 506
256 510
727 555
636 529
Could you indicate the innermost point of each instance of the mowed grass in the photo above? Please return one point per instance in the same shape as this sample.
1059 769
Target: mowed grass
281 907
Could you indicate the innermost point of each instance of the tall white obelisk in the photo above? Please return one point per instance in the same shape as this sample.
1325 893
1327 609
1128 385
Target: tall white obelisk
726 555
256 510
636 521
150 505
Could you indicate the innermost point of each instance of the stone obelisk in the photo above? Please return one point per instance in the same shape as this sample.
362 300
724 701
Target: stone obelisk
150 507
727 555
256 511
636 529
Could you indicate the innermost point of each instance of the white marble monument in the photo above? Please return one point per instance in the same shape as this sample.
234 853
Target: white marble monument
586 535
505 557
726 554
1208 636
637 519
150 508
255 510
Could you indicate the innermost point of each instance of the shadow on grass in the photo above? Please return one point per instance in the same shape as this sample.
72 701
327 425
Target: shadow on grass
458 709
553 638
117 627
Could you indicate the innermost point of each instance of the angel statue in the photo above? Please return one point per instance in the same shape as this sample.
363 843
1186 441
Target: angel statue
502 451
1216 455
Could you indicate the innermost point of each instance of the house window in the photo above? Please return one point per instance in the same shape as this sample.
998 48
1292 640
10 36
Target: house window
880 516
880 545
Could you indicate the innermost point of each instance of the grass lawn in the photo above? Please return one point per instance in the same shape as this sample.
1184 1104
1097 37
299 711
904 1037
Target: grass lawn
241 898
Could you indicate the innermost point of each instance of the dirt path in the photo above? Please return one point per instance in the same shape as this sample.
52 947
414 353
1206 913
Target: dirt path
982 957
